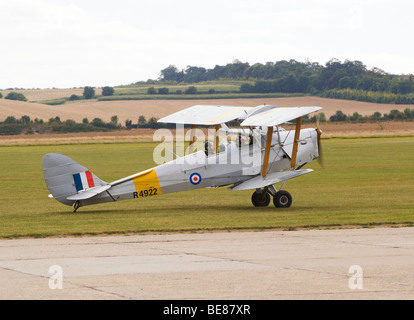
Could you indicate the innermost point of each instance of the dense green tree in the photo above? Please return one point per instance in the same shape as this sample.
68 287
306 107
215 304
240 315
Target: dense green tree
396 115
355 117
114 120
152 123
404 87
142 121
171 73
97 122
263 86
408 113
235 69
107 91
246 88
338 116
16 96
163 90
55 120
376 116
88 92
191 90
347 82
69 123
365 83
303 84
194 74
10 119
25 119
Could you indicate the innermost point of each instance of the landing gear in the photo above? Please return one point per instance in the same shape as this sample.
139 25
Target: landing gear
76 206
281 199
260 198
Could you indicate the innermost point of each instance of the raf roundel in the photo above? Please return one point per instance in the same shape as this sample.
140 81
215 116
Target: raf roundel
195 178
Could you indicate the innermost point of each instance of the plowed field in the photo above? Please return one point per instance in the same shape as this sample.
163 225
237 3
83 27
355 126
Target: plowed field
159 108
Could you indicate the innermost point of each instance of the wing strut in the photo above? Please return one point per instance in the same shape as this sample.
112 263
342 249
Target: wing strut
217 137
267 151
192 138
296 142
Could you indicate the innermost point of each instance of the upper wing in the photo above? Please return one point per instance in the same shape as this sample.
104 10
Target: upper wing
265 116
276 116
206 115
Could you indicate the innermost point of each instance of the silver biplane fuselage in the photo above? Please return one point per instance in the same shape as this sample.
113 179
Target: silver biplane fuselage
272 156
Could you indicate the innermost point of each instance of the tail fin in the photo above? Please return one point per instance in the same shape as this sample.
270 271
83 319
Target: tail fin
66 178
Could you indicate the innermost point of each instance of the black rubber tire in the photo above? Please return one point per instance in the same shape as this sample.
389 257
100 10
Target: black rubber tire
260 199
282 199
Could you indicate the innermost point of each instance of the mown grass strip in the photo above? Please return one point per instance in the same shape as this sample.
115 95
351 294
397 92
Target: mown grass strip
365 183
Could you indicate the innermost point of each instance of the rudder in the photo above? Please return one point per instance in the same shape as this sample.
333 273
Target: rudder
64 177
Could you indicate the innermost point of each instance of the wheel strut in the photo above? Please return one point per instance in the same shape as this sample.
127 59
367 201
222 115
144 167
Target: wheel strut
76 205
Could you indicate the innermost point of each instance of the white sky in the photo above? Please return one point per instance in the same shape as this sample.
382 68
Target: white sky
74 43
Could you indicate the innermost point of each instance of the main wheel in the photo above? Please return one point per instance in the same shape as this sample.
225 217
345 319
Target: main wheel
260 199
282 199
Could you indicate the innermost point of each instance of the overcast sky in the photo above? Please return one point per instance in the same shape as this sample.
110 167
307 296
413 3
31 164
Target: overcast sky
75 43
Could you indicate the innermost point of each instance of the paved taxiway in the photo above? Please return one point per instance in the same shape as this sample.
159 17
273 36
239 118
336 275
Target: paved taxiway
314 264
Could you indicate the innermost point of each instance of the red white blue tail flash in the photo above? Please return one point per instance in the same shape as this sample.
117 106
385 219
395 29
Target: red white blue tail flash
83 180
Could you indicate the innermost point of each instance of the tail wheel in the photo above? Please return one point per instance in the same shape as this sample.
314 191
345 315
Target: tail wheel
260 199
282 199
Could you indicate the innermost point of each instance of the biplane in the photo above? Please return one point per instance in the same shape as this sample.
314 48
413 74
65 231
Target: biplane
261 155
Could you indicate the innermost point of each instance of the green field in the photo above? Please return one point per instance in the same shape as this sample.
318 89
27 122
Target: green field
365 182
220 90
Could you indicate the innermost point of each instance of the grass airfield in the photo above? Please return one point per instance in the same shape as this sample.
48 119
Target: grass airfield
365 182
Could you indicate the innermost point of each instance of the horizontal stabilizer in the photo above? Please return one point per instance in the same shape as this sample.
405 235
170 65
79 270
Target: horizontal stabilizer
270 179
89 193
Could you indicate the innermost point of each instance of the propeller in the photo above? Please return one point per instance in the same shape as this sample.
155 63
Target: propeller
319 133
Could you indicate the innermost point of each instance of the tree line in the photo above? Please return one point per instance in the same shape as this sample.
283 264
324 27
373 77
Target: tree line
189 90
25 125
297 77
393 115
